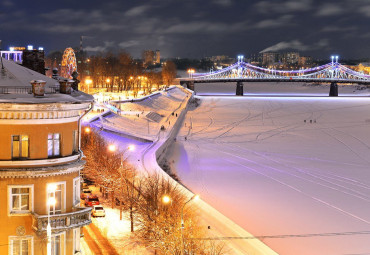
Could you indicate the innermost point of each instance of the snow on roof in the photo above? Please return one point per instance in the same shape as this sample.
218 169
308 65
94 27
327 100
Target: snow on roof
13 75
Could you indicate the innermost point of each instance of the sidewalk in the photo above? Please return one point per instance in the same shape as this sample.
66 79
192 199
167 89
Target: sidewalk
110 235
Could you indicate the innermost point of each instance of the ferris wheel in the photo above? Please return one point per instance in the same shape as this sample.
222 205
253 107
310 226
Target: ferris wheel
69 64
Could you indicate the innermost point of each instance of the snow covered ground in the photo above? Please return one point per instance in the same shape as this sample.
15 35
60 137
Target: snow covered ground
144 118
283 165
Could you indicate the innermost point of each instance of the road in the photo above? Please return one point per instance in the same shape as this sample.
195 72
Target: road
97 243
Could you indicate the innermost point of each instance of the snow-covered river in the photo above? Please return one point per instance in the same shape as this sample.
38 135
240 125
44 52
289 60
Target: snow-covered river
283 166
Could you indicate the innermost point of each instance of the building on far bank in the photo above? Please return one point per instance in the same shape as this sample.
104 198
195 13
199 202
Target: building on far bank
151 57
363 68
40 163
305 61
270 58
29 57
289 58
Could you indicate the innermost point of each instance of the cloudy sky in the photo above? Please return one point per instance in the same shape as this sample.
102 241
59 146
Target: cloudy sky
191 28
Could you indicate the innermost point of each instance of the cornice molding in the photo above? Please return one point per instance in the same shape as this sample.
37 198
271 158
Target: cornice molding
27 113
41 171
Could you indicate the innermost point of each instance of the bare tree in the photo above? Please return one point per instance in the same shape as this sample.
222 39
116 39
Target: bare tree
168 72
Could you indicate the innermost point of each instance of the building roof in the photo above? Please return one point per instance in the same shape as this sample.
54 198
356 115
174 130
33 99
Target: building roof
15 84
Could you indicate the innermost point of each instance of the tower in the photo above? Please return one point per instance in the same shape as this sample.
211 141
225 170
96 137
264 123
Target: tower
40 163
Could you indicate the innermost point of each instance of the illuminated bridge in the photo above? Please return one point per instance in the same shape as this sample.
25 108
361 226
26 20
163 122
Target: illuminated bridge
241 71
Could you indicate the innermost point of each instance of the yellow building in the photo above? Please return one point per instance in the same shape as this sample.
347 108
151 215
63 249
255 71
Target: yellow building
363 68
40 163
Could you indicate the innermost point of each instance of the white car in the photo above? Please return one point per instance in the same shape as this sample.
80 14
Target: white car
98 211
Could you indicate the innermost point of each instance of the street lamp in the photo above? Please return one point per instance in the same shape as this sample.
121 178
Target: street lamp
194 197
191 72
88 82
87 130
166 199
131 147
50 202
112 148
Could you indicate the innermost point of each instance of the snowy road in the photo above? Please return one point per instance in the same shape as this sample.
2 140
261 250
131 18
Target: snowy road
283 166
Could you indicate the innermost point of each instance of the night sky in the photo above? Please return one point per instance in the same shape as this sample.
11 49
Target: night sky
191 28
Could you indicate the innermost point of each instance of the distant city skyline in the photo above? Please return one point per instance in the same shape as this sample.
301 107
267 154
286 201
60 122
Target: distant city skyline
191 28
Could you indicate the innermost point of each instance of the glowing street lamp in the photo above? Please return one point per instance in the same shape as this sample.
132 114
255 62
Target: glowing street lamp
131 147
191 72
88 81
107 80
87 130
194 197
50 202
112 148
240 58
166 199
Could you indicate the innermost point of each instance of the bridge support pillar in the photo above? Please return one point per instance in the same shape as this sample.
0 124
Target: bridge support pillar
333 90
239 88
190 85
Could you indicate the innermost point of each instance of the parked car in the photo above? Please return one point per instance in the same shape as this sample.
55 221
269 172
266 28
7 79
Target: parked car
92 200
85 193
98 211
84 185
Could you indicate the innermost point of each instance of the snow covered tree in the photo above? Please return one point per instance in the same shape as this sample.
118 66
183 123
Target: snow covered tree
159 223
100 162
168 72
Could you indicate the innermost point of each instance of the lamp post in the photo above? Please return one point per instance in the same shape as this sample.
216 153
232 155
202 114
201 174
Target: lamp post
182 222
191 72
88 82
50 202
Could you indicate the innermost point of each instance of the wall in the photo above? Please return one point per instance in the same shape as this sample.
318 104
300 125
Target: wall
38 138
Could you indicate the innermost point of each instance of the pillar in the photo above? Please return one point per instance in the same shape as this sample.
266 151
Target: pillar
333 89
239 88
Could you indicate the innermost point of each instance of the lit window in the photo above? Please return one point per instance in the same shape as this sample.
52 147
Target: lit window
76 191
56 191
53 145
20 198
21 245
20 146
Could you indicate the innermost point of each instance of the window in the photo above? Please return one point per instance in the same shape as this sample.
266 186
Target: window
57 244
75 141
56 191
76 240
53 145
76 190
20 199
20 146
20 245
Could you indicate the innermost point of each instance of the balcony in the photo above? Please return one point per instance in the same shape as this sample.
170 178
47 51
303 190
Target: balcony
39 162
59 222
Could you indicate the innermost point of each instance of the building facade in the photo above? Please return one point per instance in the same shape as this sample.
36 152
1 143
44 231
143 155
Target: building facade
40 163
151 57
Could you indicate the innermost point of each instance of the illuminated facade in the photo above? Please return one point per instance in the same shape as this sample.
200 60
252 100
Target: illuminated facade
151 57
40 163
